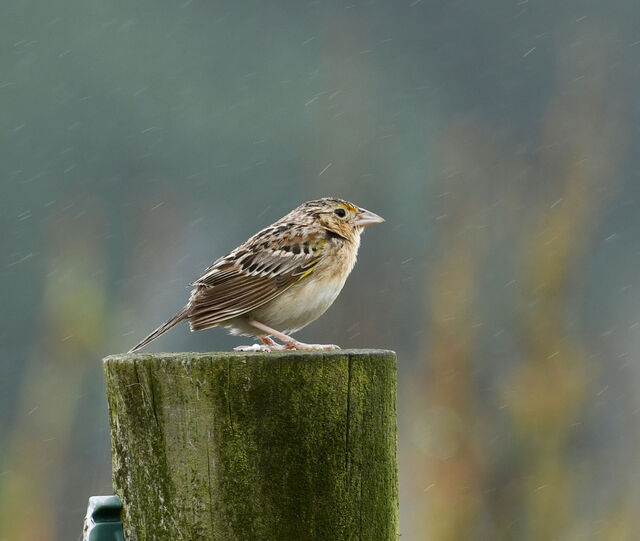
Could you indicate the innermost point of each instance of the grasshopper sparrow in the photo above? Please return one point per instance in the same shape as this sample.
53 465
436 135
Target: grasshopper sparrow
281 279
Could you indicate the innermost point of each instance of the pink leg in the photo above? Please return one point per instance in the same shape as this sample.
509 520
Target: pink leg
289 343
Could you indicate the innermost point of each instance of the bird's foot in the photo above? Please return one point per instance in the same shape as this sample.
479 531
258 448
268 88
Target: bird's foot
289 343
252 347
267 345
302 346
295 345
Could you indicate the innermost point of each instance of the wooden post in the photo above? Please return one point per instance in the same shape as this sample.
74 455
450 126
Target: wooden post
282 446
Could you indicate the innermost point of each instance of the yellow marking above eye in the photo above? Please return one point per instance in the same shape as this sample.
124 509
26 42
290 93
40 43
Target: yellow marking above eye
350 207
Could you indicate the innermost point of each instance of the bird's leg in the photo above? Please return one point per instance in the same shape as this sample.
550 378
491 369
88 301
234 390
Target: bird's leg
289 343
269 342
267 345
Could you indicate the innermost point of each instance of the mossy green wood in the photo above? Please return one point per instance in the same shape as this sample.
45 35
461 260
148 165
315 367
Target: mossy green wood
267 446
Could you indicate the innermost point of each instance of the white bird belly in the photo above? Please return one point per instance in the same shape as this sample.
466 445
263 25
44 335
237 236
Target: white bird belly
299 305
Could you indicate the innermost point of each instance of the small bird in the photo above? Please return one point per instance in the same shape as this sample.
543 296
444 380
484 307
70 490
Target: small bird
281 279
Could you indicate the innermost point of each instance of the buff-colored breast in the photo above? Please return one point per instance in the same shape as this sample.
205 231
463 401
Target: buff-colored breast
309 298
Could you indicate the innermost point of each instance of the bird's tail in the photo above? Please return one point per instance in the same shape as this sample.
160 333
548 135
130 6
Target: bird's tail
181 315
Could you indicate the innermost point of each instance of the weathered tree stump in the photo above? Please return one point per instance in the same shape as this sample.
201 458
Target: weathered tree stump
286 446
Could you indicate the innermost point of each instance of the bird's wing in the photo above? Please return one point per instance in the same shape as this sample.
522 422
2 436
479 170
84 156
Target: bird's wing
251 276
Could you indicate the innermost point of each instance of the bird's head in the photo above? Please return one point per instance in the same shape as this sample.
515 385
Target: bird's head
340 217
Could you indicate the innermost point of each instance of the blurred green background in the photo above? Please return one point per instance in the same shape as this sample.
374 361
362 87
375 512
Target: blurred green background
142 140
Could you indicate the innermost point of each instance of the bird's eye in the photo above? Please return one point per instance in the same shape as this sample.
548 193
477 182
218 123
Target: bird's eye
340 212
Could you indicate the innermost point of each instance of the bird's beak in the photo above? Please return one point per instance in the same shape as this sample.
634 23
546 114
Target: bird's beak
366 217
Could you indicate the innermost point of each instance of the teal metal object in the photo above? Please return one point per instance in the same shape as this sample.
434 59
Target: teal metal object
102 522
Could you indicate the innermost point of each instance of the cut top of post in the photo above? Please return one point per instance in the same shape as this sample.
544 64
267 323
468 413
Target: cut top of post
274 355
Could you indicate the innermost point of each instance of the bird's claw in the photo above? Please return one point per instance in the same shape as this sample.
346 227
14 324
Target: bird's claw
290 346
311 347
253 347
